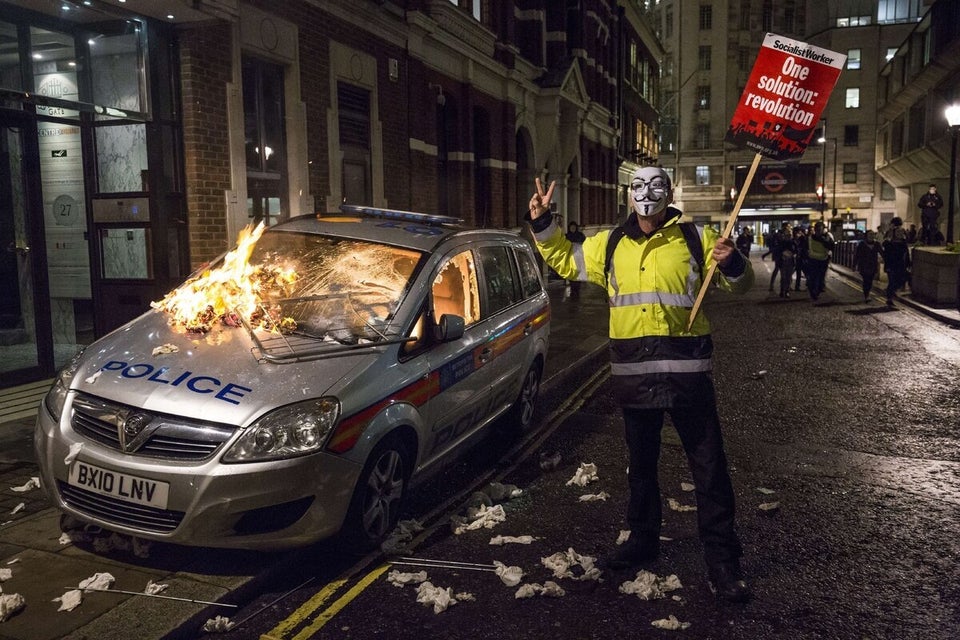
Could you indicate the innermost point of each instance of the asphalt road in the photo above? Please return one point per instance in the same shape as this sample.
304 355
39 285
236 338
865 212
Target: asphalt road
844 414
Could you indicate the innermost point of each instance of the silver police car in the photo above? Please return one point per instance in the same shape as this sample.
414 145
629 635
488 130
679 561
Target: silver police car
300 386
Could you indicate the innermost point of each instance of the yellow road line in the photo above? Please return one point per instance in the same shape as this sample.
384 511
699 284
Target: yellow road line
303 612
326 615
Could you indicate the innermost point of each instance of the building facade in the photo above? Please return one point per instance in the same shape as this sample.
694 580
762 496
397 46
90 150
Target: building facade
710 47
137 141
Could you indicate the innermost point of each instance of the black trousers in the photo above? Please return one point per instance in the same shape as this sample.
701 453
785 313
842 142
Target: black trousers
699 430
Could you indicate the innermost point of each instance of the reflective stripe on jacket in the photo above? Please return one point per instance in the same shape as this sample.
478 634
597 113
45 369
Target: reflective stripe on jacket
652 286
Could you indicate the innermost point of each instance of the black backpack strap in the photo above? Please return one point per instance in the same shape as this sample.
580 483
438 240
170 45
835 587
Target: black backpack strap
690 234
694 244
612 241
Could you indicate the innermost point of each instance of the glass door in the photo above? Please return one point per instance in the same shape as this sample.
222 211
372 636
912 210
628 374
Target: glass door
25 352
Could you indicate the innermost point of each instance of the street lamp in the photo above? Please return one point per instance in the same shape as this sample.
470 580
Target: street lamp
820 199
952 114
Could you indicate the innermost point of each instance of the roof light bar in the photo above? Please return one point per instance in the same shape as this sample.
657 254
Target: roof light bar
396 214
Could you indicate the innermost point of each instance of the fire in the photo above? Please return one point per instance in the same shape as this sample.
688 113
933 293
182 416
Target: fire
236 289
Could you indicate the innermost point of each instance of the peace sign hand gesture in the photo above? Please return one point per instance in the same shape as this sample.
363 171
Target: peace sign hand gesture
540 202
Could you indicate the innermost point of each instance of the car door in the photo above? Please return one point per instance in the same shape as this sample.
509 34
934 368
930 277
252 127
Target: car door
462 378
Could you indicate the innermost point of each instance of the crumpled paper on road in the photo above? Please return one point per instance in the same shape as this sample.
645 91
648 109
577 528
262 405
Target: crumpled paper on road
502 540
72 599
594 497
10 603
32 483
509 575
20 507
5 574
650 586
671 624
676 506
440 598
401 578
481 518
687 486
401 535
549 589
153 588
769 507
220 624
563 563
585 474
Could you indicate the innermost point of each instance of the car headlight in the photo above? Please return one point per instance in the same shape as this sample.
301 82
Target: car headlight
287 432
57 396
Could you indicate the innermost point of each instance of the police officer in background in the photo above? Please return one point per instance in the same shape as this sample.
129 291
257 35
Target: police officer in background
657 365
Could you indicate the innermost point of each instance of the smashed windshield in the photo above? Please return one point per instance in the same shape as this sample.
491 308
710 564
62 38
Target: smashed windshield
345 290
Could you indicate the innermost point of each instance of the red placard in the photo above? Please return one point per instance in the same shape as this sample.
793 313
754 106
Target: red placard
787 90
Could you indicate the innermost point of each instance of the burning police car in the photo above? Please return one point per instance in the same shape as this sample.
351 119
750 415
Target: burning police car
301 385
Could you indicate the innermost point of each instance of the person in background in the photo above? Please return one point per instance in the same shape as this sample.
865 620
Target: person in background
930 204
787 261
896 258
866 260
744 241
800 260
658 365
912 234
819 245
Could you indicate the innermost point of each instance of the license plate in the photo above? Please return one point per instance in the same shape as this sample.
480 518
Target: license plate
122 486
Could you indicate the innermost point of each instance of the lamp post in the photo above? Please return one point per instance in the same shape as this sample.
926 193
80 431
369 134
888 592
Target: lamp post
952 114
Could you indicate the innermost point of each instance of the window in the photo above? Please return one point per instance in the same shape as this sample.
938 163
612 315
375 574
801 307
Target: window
529 274
263 120
500 279
851 135
789 19
887 192
668 21
849 173
892 11
703 175
706 17
854 21
767 15
853 98
455 290
745 15
744 59
853 58
469 6
703 136
704 56
353 104
703 97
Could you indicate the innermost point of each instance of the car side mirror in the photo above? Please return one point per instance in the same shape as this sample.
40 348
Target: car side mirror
449 328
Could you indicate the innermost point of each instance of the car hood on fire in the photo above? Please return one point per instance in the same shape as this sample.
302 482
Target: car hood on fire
214 376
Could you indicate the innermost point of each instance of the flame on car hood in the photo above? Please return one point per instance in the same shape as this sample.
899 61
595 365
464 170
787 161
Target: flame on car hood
235 289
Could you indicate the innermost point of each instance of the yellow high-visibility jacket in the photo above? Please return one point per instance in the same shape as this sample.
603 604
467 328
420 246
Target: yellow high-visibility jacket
651 285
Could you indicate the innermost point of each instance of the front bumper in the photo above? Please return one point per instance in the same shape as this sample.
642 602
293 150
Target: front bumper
265 506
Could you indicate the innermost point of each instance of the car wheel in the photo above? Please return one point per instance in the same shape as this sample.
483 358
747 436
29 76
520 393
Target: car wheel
378 497
521 414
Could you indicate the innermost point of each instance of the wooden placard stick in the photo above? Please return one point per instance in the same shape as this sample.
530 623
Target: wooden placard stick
727 230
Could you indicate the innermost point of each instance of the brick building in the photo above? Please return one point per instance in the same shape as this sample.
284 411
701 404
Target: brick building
202 117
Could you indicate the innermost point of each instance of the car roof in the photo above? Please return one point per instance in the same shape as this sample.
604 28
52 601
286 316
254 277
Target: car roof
407 229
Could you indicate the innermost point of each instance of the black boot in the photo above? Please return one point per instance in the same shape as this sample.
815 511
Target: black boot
726 581
637 550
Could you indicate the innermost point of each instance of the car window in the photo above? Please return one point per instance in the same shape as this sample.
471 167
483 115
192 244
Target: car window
333 288
455 289
529 274
499 278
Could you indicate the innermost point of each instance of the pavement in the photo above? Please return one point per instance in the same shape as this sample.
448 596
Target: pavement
44 567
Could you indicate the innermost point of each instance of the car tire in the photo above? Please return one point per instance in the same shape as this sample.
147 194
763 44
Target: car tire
520 416
379 495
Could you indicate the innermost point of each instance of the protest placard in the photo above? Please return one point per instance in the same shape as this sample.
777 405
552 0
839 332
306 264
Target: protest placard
778 112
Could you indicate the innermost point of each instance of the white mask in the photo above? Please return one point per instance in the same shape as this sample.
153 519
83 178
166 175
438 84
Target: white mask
650 191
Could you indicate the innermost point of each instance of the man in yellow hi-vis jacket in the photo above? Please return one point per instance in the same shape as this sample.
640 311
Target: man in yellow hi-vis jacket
652 277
